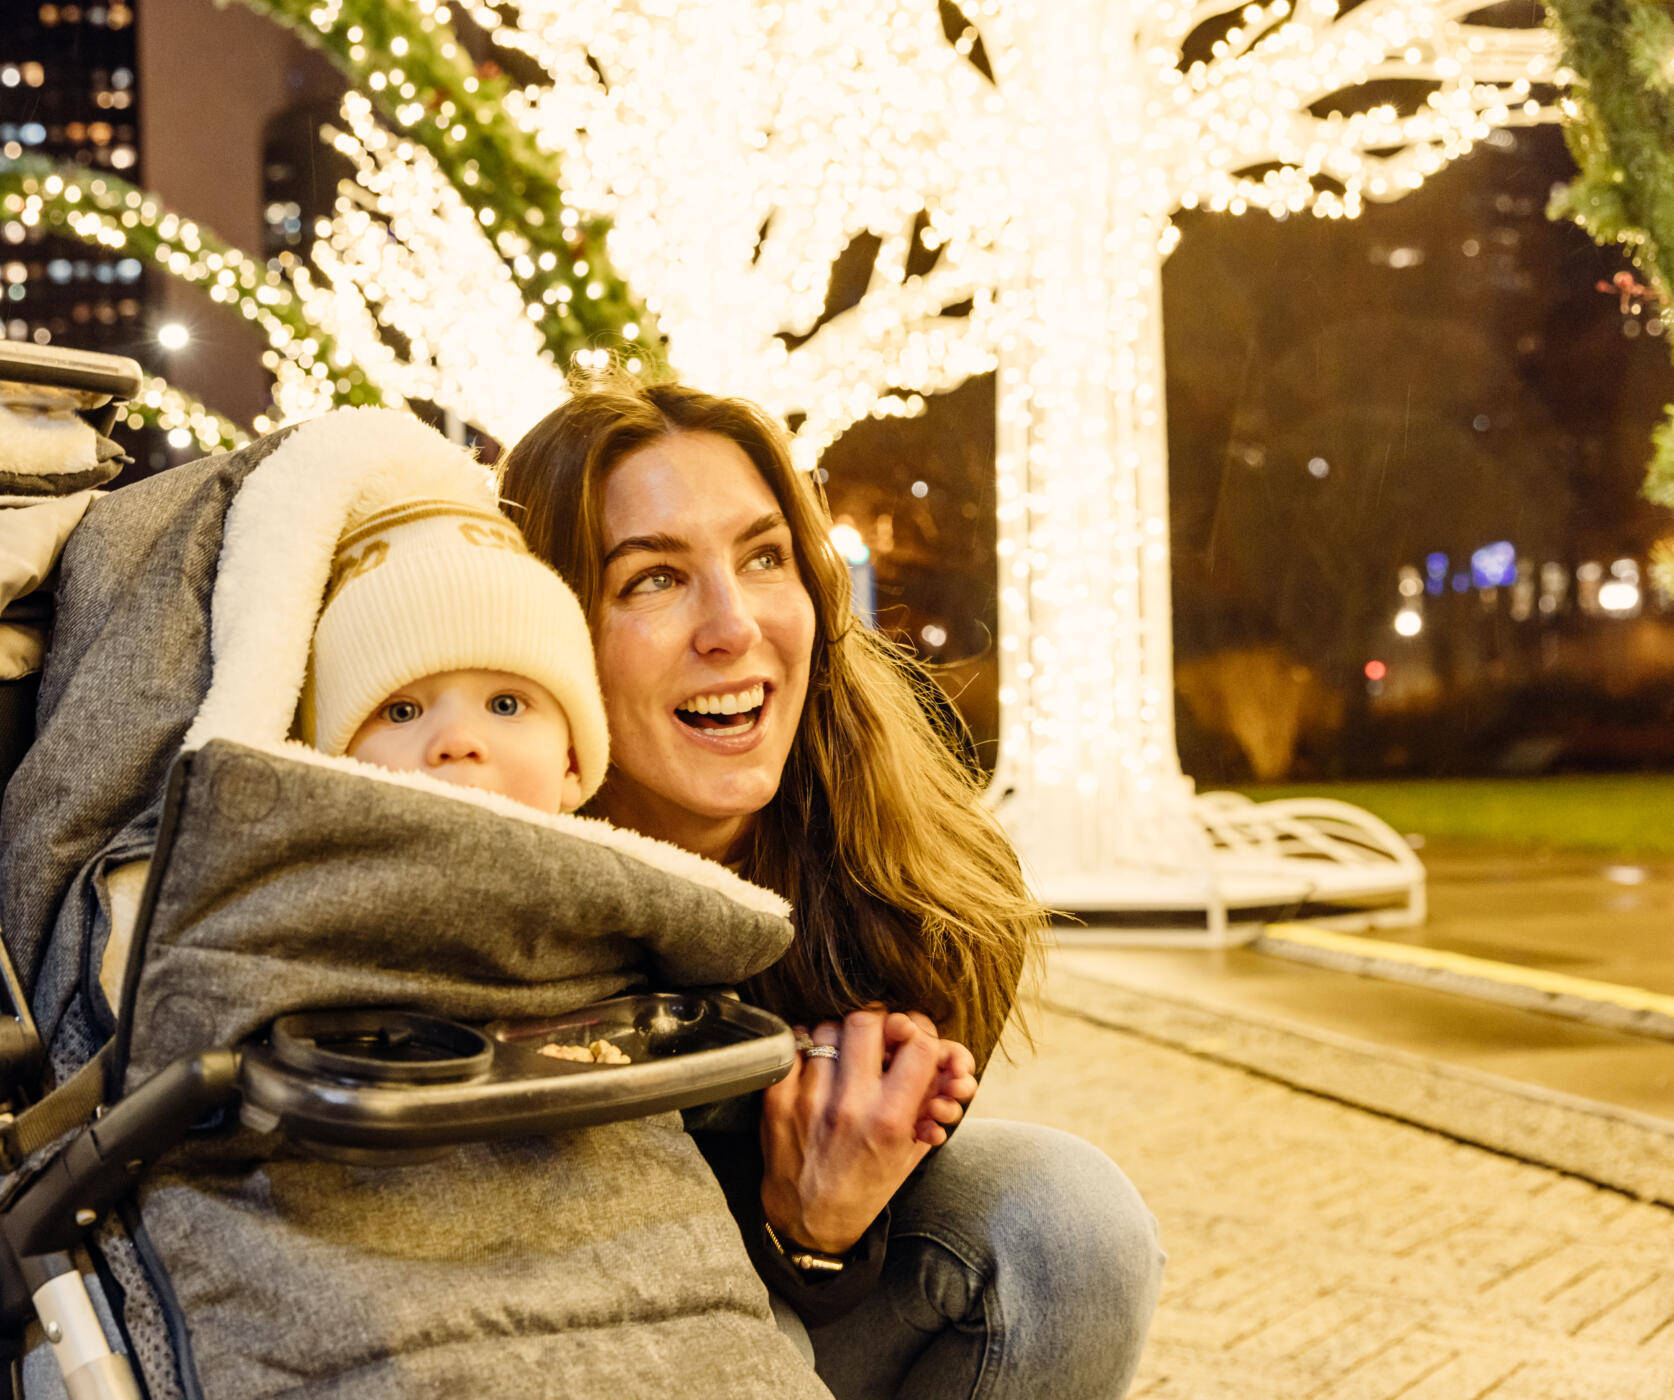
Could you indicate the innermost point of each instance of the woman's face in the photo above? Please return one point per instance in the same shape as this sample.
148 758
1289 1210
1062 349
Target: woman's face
704 634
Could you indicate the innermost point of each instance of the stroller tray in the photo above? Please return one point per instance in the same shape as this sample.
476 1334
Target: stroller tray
393 1080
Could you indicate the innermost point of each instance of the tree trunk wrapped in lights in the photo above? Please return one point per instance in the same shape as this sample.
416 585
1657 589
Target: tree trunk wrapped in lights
1016 164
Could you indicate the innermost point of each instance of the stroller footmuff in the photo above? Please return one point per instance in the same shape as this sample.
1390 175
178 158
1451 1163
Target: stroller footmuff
271 881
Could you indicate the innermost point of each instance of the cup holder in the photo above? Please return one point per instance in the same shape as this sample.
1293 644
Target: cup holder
382 1047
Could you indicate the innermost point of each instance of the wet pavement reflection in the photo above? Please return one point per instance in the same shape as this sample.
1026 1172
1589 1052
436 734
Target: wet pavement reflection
1596 917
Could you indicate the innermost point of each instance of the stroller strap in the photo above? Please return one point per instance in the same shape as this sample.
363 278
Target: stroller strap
66 1108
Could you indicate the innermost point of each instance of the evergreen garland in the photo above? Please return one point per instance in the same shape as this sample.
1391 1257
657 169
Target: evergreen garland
457 112
1621 133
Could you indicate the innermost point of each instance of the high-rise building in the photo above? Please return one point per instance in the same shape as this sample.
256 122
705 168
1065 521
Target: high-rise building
68 92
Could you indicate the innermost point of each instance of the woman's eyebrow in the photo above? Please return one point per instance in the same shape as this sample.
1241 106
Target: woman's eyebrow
672 544
645 544
771 521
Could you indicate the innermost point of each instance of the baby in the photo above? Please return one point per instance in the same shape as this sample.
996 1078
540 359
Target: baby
446 648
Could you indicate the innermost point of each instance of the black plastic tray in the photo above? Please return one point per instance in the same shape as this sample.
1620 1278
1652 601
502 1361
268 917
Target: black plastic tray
392 1080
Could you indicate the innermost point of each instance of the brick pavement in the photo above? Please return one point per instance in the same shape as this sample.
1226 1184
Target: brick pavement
1322 1252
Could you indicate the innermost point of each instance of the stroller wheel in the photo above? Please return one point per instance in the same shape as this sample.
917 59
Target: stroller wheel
382 1047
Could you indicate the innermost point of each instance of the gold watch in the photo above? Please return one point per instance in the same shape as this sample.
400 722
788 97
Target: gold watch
809 1261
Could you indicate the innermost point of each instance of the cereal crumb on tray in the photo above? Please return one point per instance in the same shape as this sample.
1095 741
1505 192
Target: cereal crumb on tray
599 1052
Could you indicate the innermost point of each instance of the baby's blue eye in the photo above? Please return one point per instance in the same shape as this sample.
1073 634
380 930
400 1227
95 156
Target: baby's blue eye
401 711
505 705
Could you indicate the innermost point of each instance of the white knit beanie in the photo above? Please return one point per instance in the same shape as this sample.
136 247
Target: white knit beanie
432 585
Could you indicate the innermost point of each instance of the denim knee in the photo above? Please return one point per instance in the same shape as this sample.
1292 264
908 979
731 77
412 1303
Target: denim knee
1059 1231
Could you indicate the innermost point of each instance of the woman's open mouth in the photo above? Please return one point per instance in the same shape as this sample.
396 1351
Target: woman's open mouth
723 716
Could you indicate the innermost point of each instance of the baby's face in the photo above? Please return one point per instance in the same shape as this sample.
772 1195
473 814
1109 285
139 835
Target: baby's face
481 729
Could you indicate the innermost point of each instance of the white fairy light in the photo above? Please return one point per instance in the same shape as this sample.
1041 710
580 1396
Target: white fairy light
403 250
740 147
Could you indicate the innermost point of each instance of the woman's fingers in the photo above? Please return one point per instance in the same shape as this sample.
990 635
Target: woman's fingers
819 1071
862 1039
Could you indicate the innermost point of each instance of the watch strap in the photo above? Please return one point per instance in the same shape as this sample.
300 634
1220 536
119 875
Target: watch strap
810 1261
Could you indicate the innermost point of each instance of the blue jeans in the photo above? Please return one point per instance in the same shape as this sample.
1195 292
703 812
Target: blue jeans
1022 1264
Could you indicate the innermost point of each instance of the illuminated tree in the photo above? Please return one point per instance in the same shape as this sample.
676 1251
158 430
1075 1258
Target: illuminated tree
1006 170
1038 152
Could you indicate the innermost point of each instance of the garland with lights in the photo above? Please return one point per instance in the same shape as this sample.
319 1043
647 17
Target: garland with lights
108 212
1620 129
405 56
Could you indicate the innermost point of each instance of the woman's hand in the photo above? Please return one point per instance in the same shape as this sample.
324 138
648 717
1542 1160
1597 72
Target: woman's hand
839 1136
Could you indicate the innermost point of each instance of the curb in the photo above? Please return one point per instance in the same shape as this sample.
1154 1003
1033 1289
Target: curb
1608 1004
1609 1146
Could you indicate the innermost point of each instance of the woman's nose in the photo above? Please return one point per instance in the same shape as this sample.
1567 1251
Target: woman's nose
728 623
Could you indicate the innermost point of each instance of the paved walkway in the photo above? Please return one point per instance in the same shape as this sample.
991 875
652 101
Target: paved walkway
1322 1252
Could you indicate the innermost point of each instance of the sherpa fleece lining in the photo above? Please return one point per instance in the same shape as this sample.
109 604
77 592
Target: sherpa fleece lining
45 444
280 537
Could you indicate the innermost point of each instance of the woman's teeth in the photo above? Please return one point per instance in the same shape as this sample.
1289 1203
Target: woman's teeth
735 704
709 713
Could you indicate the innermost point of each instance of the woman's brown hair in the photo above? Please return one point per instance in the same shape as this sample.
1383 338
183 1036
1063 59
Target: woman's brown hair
905 889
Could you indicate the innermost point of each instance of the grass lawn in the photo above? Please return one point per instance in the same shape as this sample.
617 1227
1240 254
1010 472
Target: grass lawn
1630 813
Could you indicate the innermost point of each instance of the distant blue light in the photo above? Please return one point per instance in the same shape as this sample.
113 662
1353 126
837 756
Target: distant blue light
1435 565
1461 582
1434 585
32 133
1494 565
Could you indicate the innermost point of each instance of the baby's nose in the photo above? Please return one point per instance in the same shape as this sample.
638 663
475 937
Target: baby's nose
455 743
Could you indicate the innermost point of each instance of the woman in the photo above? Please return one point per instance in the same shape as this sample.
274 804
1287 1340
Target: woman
752 721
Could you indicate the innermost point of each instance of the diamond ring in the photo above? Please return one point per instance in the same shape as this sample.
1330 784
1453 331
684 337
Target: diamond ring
820 1052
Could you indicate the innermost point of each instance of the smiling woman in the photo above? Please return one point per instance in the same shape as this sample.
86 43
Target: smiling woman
755 721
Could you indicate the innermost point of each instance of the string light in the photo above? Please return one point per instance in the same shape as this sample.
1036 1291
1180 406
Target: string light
108 212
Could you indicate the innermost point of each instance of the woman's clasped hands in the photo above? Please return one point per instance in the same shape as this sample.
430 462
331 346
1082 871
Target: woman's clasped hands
840 1134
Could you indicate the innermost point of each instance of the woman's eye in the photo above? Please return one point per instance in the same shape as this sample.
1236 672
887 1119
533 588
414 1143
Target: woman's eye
651 581
505 705
772 557
401 711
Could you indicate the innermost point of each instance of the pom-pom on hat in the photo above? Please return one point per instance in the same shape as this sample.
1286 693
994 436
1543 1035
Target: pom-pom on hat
425 586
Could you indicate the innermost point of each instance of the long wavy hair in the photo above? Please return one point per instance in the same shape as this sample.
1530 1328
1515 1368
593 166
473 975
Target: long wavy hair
905 889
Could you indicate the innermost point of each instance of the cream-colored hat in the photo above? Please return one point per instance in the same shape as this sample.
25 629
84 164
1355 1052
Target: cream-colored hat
427 586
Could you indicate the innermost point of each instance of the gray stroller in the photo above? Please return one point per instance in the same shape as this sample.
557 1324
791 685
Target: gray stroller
299 1138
